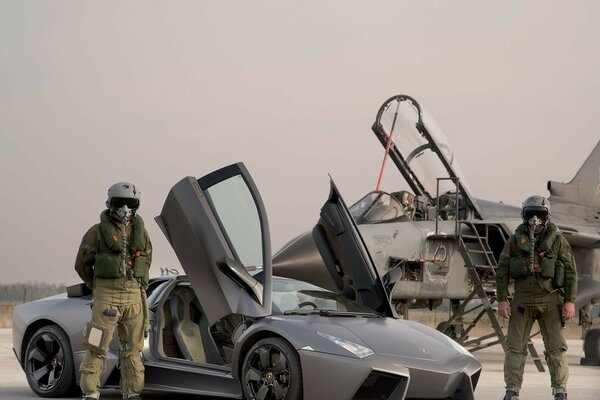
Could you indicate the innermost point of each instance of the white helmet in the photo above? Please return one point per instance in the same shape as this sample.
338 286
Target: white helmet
123 194
537 206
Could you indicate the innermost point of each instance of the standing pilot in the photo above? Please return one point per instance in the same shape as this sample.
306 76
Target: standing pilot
113 259
541 262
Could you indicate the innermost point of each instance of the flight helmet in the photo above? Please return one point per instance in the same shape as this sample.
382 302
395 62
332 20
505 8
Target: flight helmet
536 211
123 196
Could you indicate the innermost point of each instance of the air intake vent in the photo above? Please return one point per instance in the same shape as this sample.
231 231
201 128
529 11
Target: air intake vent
380 386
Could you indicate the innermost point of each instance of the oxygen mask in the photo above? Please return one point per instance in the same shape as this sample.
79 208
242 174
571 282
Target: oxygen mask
536 219
123 208
124 214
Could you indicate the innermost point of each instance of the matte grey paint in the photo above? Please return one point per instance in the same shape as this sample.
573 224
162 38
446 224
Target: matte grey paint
194 233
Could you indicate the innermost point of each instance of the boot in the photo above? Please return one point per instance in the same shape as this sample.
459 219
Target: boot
511 395
560 396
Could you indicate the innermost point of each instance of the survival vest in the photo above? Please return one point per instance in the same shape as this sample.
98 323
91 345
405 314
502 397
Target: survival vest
107 261
546 261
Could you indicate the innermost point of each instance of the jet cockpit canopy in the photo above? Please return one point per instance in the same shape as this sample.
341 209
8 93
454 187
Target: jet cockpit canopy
420 150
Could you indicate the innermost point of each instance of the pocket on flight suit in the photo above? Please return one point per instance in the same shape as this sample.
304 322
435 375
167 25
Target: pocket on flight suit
132 312
131 329
109 314
96 338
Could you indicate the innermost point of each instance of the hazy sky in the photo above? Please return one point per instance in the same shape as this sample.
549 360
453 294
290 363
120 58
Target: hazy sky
92 93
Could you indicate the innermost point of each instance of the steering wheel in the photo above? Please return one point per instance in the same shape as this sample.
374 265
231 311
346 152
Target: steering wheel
308 303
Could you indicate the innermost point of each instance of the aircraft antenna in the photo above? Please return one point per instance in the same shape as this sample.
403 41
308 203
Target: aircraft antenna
387 147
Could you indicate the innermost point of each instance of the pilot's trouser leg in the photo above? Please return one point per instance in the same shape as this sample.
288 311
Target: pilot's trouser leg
131 337
99 332
519 328
555 344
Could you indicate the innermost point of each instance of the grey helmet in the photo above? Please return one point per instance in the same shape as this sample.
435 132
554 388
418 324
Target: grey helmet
123 194
538 206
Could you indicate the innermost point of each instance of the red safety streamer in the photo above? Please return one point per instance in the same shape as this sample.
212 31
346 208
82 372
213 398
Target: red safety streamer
387 148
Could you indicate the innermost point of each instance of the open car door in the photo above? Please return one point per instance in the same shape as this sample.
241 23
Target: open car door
346 256
218 227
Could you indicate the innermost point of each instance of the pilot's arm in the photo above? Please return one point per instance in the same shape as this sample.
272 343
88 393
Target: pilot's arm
503 278
84 262
565 255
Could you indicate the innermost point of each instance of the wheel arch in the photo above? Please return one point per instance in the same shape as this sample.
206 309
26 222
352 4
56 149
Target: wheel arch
249 341
33 328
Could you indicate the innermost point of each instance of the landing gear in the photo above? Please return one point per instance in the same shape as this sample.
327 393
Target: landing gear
591 348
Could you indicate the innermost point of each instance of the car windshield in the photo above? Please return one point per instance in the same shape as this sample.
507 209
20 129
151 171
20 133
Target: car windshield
376 207
291 296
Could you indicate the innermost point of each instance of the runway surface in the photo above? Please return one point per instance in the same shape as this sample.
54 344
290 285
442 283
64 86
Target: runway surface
584 381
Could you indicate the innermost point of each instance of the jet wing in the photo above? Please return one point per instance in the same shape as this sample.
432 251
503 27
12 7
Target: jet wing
580 239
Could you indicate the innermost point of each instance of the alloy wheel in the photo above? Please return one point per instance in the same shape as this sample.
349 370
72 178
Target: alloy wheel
45 361
267 373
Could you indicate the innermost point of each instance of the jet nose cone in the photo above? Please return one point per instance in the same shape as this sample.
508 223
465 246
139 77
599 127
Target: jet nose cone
300 259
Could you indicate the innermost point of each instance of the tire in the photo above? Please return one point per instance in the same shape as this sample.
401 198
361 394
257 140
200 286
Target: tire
279 379
591 345
48 363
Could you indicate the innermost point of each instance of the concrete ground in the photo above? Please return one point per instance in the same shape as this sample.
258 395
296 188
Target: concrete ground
584 382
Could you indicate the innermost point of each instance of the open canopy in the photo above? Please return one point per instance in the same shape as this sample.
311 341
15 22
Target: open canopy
420 150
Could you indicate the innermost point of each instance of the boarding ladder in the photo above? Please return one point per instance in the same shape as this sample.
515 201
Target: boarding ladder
473 244
480 261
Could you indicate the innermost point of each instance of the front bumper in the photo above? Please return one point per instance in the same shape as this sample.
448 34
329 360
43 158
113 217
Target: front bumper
386 377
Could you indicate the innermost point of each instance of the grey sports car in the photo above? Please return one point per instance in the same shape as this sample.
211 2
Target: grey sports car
231 329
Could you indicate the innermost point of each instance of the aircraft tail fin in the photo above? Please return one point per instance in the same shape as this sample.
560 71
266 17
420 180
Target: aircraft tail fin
584 188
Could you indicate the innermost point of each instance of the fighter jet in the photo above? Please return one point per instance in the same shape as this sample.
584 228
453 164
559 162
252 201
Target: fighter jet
437 241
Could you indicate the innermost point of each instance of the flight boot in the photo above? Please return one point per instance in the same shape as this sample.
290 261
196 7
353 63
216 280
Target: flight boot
559 393
511 395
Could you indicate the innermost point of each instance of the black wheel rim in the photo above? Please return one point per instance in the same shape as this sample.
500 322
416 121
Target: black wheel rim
45 361
267 373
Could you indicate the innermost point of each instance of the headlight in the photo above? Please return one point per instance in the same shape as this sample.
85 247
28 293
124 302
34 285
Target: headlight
354 348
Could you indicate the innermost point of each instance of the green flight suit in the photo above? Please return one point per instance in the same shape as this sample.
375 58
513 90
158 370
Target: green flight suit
118 303
537 296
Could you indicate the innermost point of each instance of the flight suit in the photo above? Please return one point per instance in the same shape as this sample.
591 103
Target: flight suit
118 303
539 293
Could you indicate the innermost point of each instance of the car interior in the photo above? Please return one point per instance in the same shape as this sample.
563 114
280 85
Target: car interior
185 332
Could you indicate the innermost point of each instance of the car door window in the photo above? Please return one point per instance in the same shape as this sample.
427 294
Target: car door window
237 213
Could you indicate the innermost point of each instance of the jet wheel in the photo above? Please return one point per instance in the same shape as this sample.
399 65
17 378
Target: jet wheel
591 345
271 371
48 363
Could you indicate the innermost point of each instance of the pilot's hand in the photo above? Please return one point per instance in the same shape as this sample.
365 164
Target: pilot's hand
504 309
568 310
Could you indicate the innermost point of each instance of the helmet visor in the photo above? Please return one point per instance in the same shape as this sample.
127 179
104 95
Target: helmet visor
118 202
531 212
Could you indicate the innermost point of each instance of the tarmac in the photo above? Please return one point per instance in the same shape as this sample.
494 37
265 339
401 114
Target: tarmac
584 381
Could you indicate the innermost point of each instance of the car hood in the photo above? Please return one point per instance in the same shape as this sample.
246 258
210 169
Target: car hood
413 341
